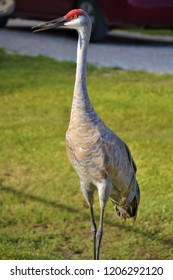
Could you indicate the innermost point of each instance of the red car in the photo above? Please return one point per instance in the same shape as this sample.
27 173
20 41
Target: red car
104 14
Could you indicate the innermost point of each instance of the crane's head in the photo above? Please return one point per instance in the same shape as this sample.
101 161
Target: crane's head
75 19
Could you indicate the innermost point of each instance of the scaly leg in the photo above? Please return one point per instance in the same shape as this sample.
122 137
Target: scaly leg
104 191
88 194
93 230
99 234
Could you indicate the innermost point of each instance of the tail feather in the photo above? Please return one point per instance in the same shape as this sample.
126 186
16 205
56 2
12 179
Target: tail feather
130 210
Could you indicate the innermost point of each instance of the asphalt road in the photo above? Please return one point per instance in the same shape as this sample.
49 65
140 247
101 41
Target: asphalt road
121 49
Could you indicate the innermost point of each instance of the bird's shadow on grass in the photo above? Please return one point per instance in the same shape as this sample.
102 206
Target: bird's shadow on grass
51 203
22 194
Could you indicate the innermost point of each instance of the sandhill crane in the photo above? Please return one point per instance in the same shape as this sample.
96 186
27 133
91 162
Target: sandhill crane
101 159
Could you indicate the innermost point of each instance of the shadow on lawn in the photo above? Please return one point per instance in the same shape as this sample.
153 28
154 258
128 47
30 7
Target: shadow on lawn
22 194
137 230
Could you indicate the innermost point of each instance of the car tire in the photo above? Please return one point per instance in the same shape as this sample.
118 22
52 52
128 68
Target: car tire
94 11
3 21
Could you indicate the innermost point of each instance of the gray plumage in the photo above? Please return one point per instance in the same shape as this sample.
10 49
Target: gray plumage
101 159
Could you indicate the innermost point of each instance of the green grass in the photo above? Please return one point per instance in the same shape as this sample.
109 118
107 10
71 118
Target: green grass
150 31
42 211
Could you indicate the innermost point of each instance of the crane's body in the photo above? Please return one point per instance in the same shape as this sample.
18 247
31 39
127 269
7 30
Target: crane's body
96 154
101 159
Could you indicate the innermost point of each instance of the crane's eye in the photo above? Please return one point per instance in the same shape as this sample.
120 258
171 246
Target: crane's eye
74 16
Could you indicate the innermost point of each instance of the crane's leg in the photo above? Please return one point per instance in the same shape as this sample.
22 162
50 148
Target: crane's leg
99 234
88 194
93 230
104 190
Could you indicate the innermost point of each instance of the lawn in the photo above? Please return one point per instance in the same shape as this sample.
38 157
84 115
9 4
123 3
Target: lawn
150 31
43 214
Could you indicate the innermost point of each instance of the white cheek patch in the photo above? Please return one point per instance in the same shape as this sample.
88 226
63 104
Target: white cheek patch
73 23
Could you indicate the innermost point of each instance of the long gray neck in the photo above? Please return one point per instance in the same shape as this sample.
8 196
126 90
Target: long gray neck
80 97
82 110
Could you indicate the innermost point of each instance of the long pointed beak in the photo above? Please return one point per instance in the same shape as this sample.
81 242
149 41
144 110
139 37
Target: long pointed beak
49 24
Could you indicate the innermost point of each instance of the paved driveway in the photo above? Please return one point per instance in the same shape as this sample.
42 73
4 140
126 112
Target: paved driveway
152 54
